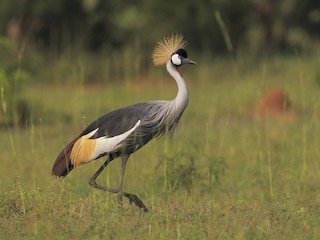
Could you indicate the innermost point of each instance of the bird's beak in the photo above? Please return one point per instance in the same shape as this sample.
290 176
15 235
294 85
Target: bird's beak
187 61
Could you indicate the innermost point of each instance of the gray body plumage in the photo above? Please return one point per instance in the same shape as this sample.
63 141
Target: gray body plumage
155 120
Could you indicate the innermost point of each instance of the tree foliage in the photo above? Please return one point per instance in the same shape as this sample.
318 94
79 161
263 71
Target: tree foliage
97 24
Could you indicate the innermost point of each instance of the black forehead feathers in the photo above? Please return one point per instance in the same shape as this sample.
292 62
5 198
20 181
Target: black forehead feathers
182 53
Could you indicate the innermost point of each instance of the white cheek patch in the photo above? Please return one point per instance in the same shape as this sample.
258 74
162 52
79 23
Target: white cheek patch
105 144
176 60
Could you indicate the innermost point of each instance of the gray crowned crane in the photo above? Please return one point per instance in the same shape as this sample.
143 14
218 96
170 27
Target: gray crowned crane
123 131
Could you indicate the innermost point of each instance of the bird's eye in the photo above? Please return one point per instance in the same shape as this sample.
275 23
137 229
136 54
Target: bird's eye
176 60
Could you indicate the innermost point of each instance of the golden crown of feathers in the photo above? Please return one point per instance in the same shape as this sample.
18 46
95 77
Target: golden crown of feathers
166 46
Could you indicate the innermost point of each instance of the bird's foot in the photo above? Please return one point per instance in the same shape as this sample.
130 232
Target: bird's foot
132 199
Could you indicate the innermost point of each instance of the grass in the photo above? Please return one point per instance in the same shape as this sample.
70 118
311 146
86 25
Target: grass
224 175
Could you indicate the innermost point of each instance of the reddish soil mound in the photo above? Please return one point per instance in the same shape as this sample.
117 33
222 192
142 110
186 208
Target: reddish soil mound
274 104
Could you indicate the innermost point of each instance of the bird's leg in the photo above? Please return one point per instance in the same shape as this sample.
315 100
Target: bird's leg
124 159
93 182
132 198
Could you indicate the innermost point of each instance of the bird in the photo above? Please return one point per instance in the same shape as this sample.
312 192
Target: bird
123 131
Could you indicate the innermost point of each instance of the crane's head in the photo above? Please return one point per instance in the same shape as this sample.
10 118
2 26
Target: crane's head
180 57
171 48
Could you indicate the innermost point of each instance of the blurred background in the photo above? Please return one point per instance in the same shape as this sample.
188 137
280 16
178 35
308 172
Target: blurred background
100 40
256 26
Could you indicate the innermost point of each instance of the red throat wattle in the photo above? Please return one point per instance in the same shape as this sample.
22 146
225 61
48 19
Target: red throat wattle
179 71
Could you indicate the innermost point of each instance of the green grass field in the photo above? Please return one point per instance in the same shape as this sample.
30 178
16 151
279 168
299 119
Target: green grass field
223 176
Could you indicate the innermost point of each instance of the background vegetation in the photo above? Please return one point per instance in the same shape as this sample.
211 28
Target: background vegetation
225 175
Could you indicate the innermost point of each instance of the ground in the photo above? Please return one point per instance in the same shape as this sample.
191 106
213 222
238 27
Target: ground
224 175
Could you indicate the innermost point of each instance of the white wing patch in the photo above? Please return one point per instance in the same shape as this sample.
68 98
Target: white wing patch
105 144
